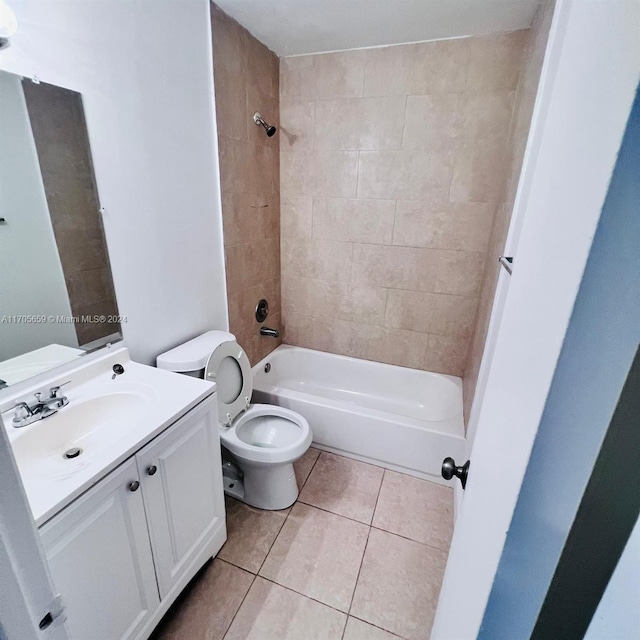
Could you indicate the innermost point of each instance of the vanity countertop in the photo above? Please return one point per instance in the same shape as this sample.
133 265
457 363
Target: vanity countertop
109 418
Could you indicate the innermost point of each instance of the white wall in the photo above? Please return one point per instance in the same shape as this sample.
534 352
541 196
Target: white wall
144 69
32 279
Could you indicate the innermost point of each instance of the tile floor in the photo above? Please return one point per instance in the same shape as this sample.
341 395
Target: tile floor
359 556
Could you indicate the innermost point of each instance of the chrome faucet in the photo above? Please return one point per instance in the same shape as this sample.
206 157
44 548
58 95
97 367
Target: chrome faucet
265 331
26 414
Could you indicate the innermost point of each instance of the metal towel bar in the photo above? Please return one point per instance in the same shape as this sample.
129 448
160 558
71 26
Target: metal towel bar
507 263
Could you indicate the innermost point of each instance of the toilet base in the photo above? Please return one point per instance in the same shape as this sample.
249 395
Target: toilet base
269 487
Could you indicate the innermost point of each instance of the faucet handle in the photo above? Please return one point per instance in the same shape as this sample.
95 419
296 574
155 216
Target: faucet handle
22 411
53 392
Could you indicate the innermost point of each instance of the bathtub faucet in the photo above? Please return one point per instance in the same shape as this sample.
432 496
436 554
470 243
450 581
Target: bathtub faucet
265 331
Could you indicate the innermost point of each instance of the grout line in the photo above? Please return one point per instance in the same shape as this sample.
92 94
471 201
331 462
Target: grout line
274 540
355 586
398 535
395 635
239 607
304 595
333 513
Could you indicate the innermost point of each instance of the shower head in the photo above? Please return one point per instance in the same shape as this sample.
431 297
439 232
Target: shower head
269 128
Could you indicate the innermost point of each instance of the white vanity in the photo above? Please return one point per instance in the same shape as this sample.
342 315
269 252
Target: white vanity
128 521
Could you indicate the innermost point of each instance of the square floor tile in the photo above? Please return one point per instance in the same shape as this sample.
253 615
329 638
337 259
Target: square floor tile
399 584
250 534
271 612
207 606
358 630
318 554
343 486
416 509
303 466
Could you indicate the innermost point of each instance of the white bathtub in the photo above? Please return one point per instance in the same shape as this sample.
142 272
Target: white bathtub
399 418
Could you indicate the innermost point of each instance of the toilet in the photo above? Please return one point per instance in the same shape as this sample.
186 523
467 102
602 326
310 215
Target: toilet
260 442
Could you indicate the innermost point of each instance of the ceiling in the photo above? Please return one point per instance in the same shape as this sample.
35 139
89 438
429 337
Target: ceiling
294 27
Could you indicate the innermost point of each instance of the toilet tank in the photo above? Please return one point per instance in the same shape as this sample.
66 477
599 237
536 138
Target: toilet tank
191 357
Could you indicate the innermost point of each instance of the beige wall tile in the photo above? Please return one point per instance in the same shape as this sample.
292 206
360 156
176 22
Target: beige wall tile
479 173
459 273
482 114
245 222
319 173
397 267
297 122
352 220
496 60
531 64
404 152
321 259
415 69
322 77
459 226
431 121
446 354
296 216
410 175
434 313
359 123
400 347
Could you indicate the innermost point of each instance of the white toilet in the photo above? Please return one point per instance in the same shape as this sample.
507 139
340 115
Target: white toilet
263 440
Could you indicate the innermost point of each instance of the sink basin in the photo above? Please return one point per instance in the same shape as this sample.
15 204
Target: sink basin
91 425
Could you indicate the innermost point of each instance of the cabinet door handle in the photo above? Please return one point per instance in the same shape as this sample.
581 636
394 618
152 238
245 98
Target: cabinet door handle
134 486
152 470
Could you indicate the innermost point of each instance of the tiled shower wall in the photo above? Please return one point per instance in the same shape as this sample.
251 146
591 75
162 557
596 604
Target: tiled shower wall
246 80
525 99
393 165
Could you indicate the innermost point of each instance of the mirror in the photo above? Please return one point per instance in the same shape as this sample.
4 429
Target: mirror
56 291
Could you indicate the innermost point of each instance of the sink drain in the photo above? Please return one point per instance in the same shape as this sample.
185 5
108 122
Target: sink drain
72 453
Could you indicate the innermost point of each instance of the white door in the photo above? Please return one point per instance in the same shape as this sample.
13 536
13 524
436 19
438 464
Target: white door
100 559
181 474
587 97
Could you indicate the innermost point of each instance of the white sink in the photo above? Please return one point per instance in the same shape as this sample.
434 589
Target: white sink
92 426
108 418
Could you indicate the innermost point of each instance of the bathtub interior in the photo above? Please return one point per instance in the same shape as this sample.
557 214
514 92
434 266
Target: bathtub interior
418 395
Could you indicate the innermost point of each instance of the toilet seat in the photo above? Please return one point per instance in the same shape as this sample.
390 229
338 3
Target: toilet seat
267 433
229 367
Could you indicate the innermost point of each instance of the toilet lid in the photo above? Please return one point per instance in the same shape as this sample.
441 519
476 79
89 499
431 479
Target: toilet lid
228 366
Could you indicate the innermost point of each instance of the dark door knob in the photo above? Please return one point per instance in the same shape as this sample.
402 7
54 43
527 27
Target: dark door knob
152 470
449 470
134 486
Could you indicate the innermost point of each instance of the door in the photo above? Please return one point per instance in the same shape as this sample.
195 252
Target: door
181 474
578 136
100 559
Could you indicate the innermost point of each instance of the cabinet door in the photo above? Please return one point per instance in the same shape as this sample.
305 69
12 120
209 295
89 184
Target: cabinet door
100 558
181 475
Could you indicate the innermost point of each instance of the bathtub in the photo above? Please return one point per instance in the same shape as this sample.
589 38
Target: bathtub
398 418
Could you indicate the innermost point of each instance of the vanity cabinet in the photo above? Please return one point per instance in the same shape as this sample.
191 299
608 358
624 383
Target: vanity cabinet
180 472
122 552
100 559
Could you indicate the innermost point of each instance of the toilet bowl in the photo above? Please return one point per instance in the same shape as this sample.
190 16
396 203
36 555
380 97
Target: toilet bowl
260 442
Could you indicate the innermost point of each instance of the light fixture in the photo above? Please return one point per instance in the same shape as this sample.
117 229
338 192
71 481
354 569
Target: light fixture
8 24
